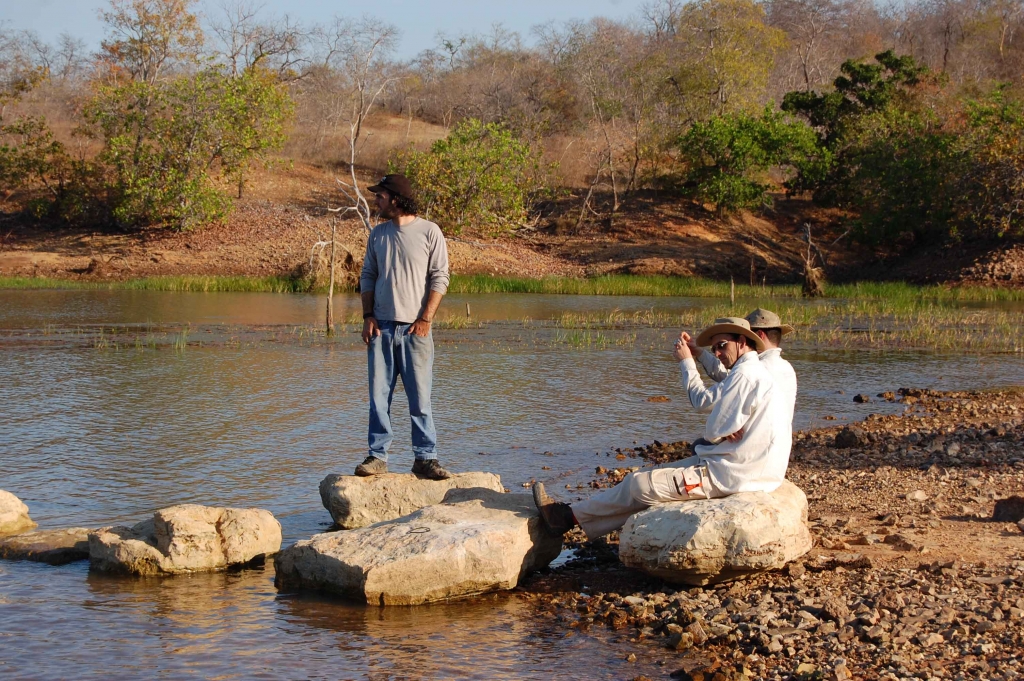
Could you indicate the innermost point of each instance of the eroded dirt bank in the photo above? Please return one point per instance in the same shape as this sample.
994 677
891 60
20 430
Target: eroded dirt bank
285 212
910 576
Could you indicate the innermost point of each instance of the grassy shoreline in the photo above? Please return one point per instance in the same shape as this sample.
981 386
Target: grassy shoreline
613 285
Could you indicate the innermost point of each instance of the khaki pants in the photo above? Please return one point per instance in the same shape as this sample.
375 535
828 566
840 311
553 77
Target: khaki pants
609 509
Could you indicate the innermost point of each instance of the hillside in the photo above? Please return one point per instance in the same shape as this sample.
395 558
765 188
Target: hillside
274 226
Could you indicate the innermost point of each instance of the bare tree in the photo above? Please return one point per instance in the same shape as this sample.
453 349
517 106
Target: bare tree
354 73
319 250
815 29
147 37
662 18
246 42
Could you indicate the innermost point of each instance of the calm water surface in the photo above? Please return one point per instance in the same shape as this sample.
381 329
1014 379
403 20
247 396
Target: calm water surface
255 411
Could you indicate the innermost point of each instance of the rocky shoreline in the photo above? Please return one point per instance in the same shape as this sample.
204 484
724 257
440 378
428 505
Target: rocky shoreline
910 577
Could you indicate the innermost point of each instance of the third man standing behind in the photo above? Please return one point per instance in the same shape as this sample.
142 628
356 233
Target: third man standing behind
404 277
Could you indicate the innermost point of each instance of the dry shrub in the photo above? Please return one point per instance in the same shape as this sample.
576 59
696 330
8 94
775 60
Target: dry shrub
383 134
315 272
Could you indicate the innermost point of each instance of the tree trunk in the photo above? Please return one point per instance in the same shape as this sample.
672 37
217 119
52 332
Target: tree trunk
330 284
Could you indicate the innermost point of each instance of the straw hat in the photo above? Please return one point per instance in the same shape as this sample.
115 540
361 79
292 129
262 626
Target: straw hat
766 319
735 325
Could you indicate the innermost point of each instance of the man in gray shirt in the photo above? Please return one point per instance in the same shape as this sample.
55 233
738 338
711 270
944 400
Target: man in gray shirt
405 275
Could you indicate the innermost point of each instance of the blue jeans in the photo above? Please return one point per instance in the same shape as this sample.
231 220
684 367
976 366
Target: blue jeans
396 352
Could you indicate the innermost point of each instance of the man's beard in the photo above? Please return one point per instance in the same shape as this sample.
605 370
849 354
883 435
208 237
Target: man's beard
390 212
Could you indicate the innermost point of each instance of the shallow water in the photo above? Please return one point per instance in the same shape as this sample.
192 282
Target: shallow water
257 415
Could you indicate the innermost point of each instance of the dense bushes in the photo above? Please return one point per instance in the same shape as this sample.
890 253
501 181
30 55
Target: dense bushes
163 146
481 176
728 157
162 143
914 160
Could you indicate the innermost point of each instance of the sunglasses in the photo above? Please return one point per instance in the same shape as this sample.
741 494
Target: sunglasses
721 345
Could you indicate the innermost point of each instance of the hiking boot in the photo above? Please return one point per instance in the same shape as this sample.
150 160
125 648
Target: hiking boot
430 469
557 517
371 465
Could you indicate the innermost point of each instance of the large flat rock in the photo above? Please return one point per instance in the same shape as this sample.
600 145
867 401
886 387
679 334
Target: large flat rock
357 502
476 541
708 541
13 514
55 547
186 538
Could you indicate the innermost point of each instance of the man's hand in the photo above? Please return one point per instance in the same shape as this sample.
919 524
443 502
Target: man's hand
682 350
735 436
370 329
691 343
420 327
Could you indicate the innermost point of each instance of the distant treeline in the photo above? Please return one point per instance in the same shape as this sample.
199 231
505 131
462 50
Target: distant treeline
906 113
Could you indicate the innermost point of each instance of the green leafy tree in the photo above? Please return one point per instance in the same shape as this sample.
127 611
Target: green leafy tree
30 155
862 88
729 156
160 160
986 179
254 110
725 52
892 171
481 177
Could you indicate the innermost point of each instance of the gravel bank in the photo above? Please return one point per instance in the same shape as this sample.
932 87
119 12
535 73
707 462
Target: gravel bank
910 577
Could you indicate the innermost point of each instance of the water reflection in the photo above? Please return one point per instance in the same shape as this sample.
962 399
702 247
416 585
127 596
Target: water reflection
92 437
235 626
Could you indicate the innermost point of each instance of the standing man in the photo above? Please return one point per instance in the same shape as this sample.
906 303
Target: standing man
736 454
404 277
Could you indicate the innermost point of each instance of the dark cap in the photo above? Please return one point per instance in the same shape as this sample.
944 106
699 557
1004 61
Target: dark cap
396 185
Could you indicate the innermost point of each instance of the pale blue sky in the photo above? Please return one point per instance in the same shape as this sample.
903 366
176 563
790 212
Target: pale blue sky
419 21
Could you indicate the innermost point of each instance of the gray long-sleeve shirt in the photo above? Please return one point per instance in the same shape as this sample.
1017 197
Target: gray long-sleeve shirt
402 266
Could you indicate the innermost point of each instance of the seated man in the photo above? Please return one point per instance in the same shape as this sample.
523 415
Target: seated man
770 329
739 434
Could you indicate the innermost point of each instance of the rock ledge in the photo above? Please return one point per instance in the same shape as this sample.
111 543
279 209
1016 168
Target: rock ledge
356 502
475 542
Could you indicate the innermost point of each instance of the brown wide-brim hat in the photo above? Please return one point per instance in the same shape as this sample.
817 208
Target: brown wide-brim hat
766 319
735 325
394 184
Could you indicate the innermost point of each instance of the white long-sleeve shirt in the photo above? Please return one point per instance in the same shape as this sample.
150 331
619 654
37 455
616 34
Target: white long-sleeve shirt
771 359
743 400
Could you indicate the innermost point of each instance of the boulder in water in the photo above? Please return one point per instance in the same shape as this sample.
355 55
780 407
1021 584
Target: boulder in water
13 514
186 538
355 501
476 541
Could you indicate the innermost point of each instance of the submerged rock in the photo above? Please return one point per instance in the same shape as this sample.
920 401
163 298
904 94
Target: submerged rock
13 514
476 541
55 547
716 540
186 538
355 501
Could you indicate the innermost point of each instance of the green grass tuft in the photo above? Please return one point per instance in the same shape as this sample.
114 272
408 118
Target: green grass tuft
907 296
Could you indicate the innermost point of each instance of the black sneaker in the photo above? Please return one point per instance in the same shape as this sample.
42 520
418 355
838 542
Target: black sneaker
558 517
371 465
430 469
